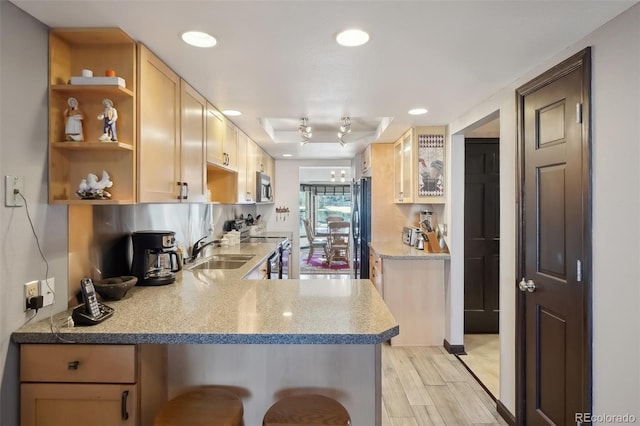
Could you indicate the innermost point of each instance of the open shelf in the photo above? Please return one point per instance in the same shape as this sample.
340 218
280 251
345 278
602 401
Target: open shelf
97 146
71 50
106 89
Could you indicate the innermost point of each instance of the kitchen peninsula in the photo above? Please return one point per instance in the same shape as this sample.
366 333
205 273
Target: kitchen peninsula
265 338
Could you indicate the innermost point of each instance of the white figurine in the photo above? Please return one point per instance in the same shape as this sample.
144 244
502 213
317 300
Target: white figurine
73 121
109 115
91 187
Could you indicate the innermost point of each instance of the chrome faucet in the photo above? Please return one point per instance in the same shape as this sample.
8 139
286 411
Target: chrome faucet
199 246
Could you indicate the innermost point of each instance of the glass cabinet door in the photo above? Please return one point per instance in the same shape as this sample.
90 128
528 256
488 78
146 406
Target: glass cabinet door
397 173
407 169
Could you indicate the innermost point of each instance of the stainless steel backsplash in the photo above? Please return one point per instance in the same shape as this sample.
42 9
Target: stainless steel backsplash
112 227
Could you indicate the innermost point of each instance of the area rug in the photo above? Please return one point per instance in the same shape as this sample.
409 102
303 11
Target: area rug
318 263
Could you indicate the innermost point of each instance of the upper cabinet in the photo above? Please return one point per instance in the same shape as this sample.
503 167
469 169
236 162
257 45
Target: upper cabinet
193 170
231 145
253 163
246 178
403 168
222 140
77 142
155 136
159 130
419 160
171 147
430 184
265 164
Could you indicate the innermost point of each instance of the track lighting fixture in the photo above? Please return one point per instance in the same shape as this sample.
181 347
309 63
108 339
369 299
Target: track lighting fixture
305 130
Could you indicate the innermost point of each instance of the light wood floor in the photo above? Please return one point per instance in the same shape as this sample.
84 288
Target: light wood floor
424 386
483 358
427 386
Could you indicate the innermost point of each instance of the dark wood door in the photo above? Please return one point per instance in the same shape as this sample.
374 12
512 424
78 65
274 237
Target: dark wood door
481 235
554 245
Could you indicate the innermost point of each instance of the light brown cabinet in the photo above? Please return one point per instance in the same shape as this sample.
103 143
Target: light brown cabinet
193 170
266 164
253 166
171 141
375 271
419 162
159 130
429 184
403 168
173 145
246 151
91 384
222 140
71 51
415 297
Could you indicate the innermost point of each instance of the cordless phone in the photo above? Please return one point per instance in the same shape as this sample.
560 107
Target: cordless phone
91 312
89 296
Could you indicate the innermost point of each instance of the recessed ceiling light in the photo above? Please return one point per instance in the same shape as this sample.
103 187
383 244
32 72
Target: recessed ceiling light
418 111
352 38
199 39
287 155
231 112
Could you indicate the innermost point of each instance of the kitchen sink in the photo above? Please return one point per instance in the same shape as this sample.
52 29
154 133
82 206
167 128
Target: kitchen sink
230 256
223 261
219 264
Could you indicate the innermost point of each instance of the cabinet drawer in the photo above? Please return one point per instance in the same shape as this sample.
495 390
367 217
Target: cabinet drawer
78 363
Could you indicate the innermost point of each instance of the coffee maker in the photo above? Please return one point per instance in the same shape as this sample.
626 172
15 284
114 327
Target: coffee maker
155 259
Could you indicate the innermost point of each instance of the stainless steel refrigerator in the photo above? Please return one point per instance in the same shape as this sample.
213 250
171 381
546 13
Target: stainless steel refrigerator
361 226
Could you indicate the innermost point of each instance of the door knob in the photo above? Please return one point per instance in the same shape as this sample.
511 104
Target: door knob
527 285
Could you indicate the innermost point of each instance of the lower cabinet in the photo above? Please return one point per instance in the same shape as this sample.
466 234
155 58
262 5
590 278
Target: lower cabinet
414 292
375 271
91 384
58 404
259 273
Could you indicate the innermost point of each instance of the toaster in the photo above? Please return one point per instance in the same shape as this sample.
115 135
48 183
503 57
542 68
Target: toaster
410 235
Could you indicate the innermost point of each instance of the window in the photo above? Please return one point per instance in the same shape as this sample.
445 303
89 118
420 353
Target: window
317 202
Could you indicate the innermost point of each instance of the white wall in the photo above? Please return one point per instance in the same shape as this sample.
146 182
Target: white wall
23 152
616 209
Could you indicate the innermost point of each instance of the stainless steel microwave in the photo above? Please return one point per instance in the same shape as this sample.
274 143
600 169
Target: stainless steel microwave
264 191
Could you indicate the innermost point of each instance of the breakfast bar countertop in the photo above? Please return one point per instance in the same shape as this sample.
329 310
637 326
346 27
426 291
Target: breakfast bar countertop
218 306
401 251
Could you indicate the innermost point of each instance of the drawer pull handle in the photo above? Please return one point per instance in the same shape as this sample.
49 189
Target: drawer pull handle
123 408
73 365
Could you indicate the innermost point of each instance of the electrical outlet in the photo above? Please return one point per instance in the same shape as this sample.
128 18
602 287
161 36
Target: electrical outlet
13 185
47 289
30 290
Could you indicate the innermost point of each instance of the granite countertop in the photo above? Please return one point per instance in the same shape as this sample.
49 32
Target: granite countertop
401 251
218 306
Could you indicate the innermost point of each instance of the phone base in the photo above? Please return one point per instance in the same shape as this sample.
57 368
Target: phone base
80 315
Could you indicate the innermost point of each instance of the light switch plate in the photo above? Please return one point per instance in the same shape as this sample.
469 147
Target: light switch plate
11 198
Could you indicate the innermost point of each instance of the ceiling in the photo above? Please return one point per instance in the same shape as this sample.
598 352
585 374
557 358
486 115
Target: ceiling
277 61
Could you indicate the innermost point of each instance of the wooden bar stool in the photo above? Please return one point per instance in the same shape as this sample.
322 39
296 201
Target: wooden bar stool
304 410
204 406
